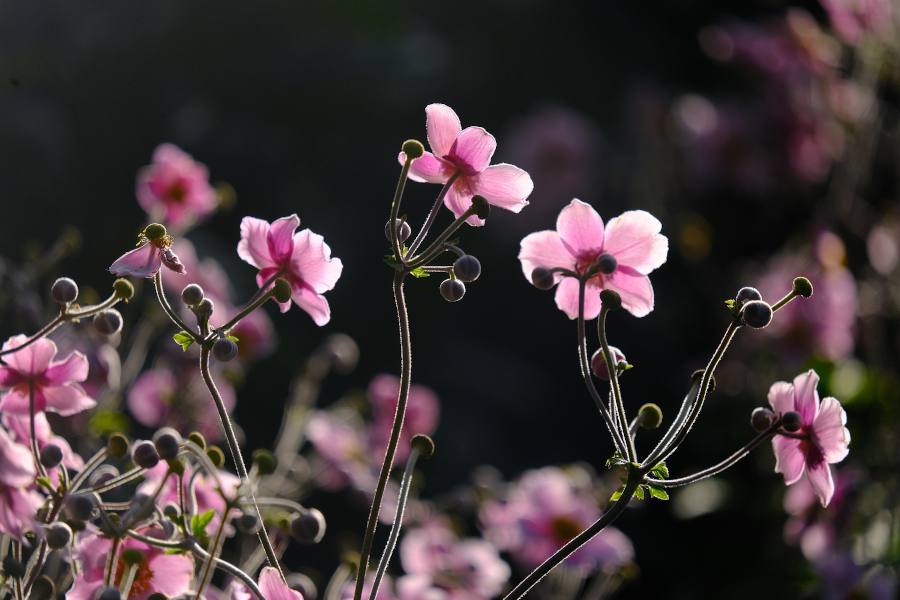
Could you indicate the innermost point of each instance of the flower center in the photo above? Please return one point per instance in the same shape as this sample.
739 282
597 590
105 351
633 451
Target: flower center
177 192
142 578
564 528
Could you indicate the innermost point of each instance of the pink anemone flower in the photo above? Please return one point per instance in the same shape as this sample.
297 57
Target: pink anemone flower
154 250
55 382
464 156
821 440
627 249
302 258
20 427
18 504
175 188
270 584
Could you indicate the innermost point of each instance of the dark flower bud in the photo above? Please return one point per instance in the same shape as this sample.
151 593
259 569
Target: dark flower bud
58 535
64 291
117 445
542 278
51 455
224 349
80 507
747 294
144 454
467 268
303 584
756 314
155 232
110 593
453 290
204 308
166 441
142 508
102 474
281 290
611 300
424 444
598 363
197 438
308 527
108 322
132 556
650 416
607 263
413 148
481 207
216 456
171 511
123 289
247 523
791 421
43 588
761 418
403 230
803 287
265 461
192 294
12 567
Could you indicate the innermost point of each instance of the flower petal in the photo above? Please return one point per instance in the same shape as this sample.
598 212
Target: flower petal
789 458
172 574
781 397
280 237
544 249
16 463
458 200
473 150
313 303
72 368
312 262
428 168
147 397
806 397
67 399
567 298
504 185
821 480
831 435
31 360
254 245
16 401
580 227
634 239
635 290
143 261
273 588
443 127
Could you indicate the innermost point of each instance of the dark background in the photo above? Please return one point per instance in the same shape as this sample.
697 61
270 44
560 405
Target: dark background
302 107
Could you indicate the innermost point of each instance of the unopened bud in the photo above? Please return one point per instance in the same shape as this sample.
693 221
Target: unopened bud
650 416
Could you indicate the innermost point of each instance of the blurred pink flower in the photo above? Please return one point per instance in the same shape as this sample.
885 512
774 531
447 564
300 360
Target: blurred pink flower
631 244
822 439
422 410
466 154
56 382
18 504
542 511
205 487
303 258
853 19
20 427
175 189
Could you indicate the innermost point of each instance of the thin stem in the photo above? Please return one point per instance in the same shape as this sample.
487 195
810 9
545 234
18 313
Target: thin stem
663 445
115 482
112 560
394 535
215 546
613 371
787 298
437 246
433 213
89 467
35 449
167 308
395 210
89 311
236 456
128 581
612 513
399 415
231 569
243 313
42 332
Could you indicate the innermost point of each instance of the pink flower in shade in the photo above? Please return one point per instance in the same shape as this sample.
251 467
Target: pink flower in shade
853 19
466 155
20 427
18 504
422 410
303 259
543 511
175 189
148 258
822 439
631 239
157 573
56 382
270 584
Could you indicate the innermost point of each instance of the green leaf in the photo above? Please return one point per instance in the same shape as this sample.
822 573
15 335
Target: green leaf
615 460
233 338
198 526
183 339
419 273
658 492
616 494
639 493
660 471
45 483
729 304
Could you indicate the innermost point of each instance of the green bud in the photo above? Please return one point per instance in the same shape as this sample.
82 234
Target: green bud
413 148
281 290
123 289
424 444
611 300
132 557
197 438
117 445
481 207
216 455
155 232
650 416
803 287
265 461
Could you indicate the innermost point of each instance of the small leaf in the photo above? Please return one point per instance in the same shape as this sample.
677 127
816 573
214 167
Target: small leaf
183 339
616 495
419 273
729 304
661 471
658 492
44 482
639 493
198 526
233 338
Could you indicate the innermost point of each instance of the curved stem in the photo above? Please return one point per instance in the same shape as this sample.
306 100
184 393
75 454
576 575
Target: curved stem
167 308
433 213
215 546
89 311
612 513
437 246
390 452
243 313
35 449
115 482
676 425
613 370
89 467
395 210
42 332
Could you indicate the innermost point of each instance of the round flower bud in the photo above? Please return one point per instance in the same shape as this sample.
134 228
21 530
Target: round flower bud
80 507
144 454
803 287
58 535
746 294
650 416
413 148
607 263
12 567
166 441
424 444
761 418
265 461
247 523
224 349
467 268
756 314
64 291
192 294
171 511
403 230
117 445
155 232
110 593
453 290
204 308
308 527
598 363
303 584
51 455
102 474
542 278
281 290
216 456
43 588
791 421
132 556
610 299
123 289
481 207
108 322
197 438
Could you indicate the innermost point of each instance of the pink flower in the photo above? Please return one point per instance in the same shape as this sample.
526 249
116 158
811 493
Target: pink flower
422 411
154 250
20 427
853 19
175 188
303 258
822 438
630 246
56 382
157 573
273 588
543 511
466 154
18 504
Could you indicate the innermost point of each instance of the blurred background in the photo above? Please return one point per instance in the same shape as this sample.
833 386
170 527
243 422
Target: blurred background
762 134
